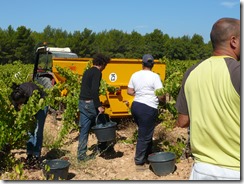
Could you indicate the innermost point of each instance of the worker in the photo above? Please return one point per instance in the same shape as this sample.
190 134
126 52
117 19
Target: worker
142 86
209 103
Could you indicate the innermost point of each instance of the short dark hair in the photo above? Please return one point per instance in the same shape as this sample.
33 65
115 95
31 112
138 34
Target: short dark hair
17 93
100 59
148 65
223 29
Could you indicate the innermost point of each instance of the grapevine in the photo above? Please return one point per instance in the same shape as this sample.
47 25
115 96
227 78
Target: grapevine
70 100
171 86
14 125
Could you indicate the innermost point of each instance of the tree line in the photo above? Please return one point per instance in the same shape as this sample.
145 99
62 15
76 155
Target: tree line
20 44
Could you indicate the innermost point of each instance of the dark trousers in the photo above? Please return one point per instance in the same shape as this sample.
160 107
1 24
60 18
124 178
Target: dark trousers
34 144
88 115
145 117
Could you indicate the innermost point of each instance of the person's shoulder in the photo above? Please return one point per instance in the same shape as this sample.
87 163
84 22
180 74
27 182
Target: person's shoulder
94 69
33 84
191 68
137 72
155 74
232 61
28 84
91 70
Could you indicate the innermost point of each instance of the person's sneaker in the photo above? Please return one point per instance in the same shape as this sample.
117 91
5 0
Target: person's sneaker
28 158
32 162
141 167
102 147
86 158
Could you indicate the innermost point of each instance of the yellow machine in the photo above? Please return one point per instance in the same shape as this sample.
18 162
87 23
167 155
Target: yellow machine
117 74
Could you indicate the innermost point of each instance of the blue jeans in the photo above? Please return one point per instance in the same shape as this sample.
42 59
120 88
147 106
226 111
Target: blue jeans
34 144
145 117
88 115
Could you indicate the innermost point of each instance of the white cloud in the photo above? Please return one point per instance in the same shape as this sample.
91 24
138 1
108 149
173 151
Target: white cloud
229 4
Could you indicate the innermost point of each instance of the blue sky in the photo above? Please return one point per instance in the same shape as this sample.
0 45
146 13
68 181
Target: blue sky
173 17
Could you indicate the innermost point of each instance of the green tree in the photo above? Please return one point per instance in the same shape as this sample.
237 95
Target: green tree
178 48
100 44
135 45
48 34
24 45
60 37
19 45
7 45
197 47
155 43
117 43
82 43
2 47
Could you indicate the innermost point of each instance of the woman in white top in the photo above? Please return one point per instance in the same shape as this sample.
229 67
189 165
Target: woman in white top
144 110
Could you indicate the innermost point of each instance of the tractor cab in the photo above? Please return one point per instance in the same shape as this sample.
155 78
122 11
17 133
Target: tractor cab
44 62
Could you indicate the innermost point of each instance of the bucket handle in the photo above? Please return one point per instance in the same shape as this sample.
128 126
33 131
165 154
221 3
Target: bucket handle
98 116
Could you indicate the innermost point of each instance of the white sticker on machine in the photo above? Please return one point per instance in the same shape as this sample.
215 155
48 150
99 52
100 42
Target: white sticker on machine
112 77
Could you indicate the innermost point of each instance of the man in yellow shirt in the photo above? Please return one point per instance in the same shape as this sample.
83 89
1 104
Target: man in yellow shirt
209 102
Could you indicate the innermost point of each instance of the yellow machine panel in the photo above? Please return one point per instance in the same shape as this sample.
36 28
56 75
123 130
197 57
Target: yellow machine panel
117 73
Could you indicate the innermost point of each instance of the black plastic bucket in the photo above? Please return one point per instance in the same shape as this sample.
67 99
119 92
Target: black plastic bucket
162 163
58 169
105 131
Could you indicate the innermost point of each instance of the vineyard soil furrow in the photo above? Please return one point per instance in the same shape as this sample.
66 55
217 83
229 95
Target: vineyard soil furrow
116 166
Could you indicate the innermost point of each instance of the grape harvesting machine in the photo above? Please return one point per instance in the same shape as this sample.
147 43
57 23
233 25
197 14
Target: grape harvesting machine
117 74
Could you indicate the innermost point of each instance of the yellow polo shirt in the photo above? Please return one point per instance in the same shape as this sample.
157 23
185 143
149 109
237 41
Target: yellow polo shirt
213 106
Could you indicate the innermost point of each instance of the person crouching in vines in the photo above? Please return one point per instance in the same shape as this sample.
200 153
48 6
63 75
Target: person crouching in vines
19 96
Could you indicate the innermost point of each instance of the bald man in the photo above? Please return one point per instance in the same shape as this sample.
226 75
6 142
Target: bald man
209 104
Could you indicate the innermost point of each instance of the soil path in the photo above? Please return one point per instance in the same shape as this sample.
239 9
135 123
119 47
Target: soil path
118 165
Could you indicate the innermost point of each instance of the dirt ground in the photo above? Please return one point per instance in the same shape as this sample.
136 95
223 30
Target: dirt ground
118 165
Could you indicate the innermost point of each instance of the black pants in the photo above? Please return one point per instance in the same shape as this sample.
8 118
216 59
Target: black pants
145 117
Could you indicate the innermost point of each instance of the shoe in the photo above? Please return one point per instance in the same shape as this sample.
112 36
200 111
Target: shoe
102 146
141 167
147 162
111 149
29 158
86 158
32 162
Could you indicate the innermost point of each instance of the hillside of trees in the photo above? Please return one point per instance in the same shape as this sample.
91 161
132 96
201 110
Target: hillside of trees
20 44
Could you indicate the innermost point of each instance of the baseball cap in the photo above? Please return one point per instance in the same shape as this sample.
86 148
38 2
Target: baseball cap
147 58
